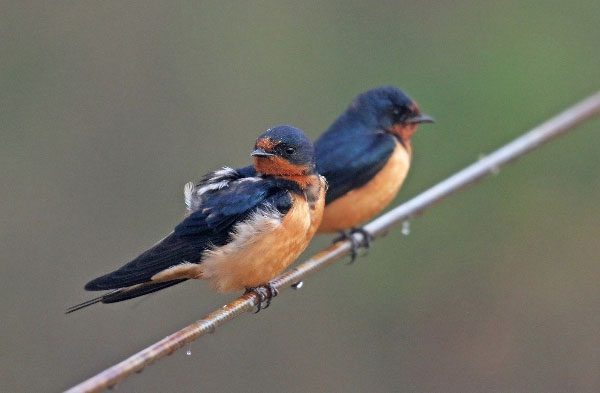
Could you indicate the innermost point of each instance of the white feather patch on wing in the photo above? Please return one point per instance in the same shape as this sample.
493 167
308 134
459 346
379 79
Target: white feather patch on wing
211 186
218 180
224 172
223 184
249 179
188 194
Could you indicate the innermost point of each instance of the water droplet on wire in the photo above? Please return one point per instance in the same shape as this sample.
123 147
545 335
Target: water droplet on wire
493 170
298 285
405 228
188 352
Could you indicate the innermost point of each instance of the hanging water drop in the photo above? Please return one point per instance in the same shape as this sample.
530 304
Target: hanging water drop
493 170
405 228
298 285
189 350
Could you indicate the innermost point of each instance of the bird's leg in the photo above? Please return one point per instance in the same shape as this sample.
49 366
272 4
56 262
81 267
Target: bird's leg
367 237
343 235
272 293
356 245
261 293
265 293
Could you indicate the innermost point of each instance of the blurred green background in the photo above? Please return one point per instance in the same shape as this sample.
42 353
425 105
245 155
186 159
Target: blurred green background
108 108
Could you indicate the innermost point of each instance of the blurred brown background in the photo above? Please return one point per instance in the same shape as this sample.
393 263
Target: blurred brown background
107 108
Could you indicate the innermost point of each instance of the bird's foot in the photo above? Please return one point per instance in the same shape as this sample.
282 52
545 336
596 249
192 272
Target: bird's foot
265 294
356 245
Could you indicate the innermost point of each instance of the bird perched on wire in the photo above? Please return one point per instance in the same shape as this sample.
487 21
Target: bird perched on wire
365 156
242 233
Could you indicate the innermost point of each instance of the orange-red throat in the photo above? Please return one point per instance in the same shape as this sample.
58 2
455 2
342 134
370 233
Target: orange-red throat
404 131
278 166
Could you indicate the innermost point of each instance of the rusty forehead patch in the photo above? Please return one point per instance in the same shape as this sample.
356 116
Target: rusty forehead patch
267 144
414 107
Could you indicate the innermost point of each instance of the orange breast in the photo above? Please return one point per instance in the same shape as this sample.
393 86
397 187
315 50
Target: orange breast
363 203
261 249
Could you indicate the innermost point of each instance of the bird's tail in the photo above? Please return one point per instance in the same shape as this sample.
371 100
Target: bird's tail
88 303
118 295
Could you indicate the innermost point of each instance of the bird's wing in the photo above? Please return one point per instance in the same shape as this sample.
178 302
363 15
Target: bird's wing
350 161
211 182
171 251
209 226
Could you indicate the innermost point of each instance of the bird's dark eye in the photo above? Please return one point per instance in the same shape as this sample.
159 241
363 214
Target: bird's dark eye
396 111
290 150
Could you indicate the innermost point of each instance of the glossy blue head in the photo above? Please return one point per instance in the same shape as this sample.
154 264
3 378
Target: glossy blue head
388 108
284 150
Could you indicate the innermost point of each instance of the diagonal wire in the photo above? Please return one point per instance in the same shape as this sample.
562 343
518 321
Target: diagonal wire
554 127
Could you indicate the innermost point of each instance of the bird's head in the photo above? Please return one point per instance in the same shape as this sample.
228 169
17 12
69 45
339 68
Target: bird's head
389 109
284 151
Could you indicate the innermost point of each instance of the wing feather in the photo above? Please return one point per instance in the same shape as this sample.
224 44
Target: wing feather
348 163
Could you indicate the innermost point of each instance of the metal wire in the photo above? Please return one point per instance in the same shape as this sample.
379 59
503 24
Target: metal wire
541 134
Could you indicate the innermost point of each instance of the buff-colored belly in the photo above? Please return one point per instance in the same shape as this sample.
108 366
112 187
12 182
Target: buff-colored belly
363 203
256 257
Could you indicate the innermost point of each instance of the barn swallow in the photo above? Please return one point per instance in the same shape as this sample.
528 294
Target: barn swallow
365 156
243 231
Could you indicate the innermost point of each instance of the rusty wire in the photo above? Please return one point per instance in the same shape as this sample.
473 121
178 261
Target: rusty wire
541 134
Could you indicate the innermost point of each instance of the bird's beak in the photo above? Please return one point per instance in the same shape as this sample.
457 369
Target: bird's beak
261 153
422 118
